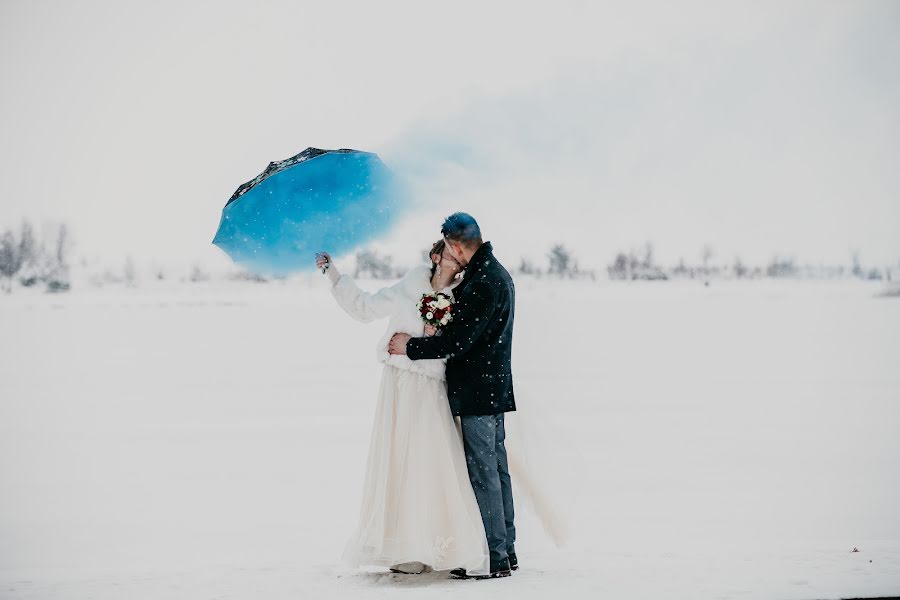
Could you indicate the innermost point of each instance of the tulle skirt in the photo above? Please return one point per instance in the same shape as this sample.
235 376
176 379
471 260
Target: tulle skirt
418 504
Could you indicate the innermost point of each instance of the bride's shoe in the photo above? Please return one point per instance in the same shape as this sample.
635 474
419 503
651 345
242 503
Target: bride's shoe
411 568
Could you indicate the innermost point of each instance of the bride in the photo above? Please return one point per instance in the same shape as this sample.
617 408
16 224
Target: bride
418 509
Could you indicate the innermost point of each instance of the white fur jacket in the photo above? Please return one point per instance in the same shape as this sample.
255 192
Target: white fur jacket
397 302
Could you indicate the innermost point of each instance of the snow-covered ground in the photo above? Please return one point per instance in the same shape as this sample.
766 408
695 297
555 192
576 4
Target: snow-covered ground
208 441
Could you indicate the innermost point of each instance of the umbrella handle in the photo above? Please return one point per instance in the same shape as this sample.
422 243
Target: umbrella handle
327 262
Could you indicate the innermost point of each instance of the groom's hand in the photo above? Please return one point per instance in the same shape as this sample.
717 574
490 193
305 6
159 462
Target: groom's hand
398 343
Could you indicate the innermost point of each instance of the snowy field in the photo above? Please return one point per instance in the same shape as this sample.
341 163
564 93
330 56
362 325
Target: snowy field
208 441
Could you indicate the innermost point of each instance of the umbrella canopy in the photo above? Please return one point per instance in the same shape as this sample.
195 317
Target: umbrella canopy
332 200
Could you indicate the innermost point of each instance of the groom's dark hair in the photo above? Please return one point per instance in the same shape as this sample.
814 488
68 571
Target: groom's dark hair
462 228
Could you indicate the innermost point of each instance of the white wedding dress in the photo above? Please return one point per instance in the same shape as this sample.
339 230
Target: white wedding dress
417 504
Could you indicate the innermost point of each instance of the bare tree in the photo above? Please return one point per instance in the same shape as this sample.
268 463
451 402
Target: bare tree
29 253
10 258
647 263
57 262
645 268
706 254
682 270
856 269
561 261
198 275
619 268
129 272
526 267
740 269
63 245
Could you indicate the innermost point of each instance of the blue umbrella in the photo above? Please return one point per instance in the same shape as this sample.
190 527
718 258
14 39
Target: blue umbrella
317 200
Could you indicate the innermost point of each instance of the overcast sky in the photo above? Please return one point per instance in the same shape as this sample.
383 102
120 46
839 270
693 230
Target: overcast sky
755 127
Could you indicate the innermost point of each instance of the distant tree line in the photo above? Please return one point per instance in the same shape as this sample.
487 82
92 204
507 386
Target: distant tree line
34 260
633 265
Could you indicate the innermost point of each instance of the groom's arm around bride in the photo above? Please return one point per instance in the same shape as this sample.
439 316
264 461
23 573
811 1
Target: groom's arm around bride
478 342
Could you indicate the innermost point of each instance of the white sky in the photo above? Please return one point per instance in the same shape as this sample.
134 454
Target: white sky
756 127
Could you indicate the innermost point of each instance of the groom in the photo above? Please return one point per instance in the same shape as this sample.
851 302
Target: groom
478 349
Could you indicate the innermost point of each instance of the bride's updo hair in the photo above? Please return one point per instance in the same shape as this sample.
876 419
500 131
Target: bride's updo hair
437 248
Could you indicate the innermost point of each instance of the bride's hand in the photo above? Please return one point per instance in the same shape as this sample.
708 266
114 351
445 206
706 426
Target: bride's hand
322 259
430 330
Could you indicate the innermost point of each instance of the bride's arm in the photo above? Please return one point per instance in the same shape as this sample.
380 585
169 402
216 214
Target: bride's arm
359 304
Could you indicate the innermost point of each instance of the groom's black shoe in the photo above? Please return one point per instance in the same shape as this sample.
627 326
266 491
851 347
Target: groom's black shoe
513 562
500 569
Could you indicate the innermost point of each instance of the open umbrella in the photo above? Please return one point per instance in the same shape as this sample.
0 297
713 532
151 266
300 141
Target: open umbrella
315 200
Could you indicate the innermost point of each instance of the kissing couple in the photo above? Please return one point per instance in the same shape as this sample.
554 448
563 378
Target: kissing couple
437 492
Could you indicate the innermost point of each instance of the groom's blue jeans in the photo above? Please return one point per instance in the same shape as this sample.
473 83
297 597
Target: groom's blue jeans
483 437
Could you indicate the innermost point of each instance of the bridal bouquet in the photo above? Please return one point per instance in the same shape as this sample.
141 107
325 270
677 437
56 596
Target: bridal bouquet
436 309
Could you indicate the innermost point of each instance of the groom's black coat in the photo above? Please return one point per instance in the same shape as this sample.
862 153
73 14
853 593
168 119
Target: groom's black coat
478 342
